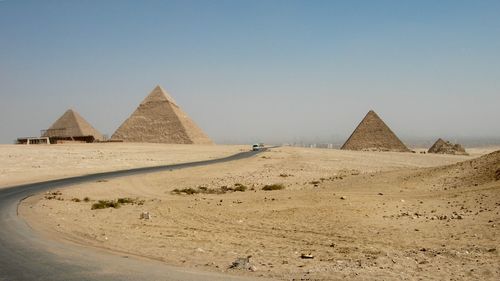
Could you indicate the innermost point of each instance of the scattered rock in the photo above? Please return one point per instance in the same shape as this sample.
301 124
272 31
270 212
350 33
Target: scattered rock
145 216
380 193
306 256
343 197
242 264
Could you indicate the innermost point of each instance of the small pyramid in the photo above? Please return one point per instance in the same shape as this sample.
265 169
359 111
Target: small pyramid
159 119
436 146
72 125
445 147
373 134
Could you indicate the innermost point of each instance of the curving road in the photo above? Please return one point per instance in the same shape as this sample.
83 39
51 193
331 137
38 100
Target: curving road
25 255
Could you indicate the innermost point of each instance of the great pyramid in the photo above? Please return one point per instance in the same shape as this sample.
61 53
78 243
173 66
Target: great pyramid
159 119
373 134
445 147
71 125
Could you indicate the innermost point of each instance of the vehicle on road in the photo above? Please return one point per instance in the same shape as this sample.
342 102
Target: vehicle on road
256 147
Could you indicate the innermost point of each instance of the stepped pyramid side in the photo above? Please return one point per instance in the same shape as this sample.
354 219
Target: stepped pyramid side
373 134
445 147
436 146
159 119
71 124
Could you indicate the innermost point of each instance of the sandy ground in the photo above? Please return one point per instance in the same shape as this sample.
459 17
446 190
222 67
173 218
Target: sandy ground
360 215
23 164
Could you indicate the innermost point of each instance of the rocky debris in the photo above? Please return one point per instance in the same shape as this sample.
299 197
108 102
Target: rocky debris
243 264
53 195
445 147
416 215
306 256
497 174
145 216
469 173
343 197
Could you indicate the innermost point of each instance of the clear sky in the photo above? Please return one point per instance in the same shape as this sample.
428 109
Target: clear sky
245 71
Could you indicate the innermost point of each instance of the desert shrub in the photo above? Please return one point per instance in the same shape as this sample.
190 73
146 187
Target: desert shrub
103 204
53 195
239 187
275 186
188 191
125 201
205 190
315 182
86 199
76 200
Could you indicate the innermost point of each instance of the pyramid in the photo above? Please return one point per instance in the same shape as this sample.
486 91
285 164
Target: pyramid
445 147
71 125
373 134
159 119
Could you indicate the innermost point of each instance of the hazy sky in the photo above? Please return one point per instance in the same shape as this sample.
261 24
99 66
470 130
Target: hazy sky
248 71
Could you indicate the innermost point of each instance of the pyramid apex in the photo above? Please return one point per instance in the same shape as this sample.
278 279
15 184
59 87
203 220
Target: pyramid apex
70 111
158 94
159 87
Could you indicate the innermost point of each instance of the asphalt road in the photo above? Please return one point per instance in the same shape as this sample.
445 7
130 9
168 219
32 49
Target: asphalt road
26 255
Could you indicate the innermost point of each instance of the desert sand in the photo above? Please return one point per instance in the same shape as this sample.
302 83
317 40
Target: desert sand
21 164
342 214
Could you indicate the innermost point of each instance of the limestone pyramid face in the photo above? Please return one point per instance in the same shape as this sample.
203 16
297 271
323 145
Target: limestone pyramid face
159 119
373 134
70 125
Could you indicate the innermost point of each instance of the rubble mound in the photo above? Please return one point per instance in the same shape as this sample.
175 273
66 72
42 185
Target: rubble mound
479 171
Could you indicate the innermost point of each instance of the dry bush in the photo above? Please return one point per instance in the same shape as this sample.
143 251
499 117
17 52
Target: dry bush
275 186
238 187
103 204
